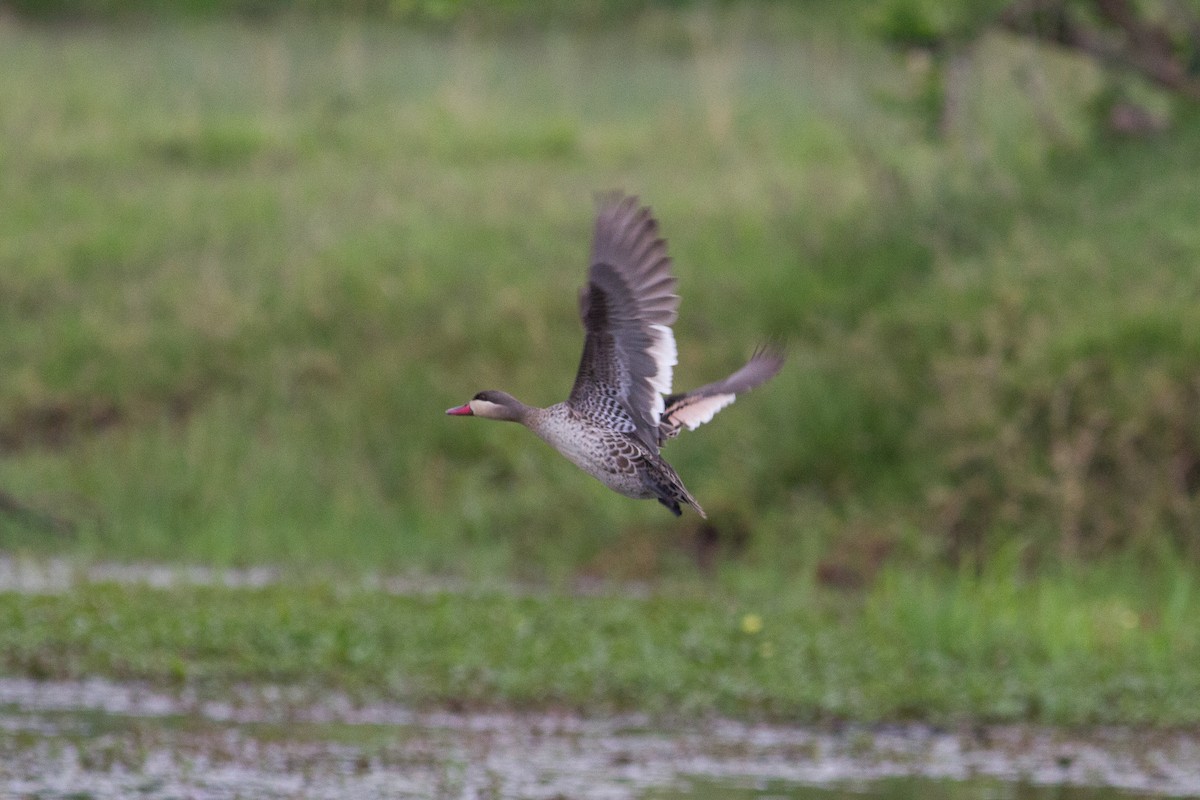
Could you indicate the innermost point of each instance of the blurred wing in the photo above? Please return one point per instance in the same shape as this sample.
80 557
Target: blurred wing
698 406
627 307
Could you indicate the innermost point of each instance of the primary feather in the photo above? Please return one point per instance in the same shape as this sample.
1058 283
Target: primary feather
627 307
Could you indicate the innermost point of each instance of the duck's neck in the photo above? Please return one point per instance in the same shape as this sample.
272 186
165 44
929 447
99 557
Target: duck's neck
511 410
523 414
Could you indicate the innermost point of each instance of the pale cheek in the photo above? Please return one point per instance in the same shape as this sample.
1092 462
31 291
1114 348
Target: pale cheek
482 408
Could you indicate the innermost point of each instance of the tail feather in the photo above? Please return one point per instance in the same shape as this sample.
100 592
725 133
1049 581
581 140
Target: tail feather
670 491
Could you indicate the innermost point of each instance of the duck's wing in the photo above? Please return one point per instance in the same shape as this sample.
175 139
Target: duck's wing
698 406
627 307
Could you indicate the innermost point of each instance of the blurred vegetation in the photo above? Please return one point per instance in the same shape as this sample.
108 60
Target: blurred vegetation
244 267
1133 42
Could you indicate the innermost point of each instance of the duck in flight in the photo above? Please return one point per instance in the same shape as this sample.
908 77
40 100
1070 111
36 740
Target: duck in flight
621 410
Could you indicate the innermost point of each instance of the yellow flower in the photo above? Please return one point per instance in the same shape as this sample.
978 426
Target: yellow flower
752 624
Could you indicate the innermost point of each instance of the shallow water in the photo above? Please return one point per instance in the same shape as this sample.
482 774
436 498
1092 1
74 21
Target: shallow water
97 739
893 789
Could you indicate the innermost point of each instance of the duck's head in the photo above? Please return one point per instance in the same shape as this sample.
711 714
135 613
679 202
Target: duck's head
492 405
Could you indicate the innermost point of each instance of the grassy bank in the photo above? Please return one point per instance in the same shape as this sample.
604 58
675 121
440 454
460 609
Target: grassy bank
1071 650
244 268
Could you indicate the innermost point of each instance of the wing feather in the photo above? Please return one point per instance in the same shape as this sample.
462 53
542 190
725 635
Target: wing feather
627 306
693 409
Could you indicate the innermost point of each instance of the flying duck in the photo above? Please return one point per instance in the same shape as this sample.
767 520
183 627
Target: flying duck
621 410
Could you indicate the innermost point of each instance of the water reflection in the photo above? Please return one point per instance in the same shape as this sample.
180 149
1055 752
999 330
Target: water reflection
890 789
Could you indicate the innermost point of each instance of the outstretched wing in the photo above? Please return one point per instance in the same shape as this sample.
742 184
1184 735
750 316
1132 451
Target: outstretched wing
699 405
627 307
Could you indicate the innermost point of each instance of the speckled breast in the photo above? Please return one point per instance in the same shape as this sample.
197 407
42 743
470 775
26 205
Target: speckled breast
609 456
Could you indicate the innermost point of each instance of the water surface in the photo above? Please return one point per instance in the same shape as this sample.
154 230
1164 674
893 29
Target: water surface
892 789
95 740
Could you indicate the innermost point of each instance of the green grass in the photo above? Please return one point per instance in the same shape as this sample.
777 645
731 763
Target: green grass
1065 650
244 266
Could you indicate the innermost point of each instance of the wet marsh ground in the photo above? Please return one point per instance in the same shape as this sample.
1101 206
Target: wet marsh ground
164 681
101 740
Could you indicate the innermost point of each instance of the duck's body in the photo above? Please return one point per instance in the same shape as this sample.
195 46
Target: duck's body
619 461
616 418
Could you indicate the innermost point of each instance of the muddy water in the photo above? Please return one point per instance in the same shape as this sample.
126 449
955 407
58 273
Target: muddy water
102 740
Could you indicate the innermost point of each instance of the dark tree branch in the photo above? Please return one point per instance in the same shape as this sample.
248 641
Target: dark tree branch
1124 39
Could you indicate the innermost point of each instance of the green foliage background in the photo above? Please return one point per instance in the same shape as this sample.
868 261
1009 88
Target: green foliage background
244 267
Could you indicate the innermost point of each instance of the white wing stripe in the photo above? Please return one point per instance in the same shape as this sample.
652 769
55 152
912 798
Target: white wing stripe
695 413
665 357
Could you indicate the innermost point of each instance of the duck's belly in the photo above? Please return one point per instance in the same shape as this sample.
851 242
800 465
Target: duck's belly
607 461
629 484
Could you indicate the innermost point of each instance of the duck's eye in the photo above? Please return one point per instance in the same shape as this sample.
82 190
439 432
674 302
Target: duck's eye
480 396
